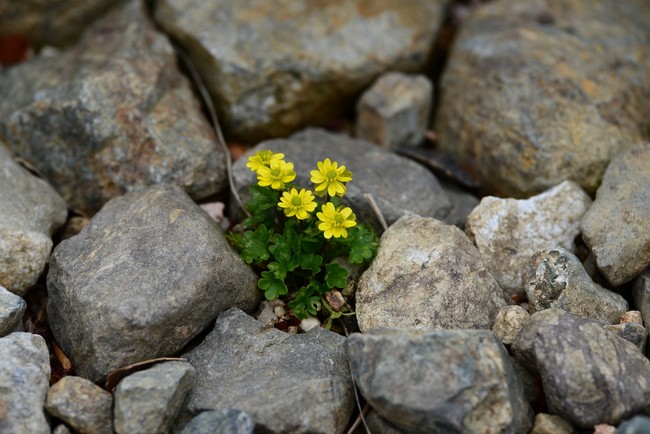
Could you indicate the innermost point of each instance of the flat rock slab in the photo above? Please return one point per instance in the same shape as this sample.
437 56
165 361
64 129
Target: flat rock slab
452 381
528 98
427 275
272 68
589 375
110 115
12 308
286 383
617 226
31 211
508 232
397 184
24 380
148 273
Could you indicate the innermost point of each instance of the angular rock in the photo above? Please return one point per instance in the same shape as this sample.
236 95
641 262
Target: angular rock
452 381
527 97
617 226
148 401
427 275
589 375
274 69
509 322
31 211
508 232
636 425
397 184
633 332
148 273
641 295
560 281
83 406
394 112
12 309
226 421
24 380
110 115
551 424
286 383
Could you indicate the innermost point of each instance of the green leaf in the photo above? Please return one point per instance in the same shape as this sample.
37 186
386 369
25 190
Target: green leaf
362 243
255 245
272 286
261 206
307 301
311 262
335 276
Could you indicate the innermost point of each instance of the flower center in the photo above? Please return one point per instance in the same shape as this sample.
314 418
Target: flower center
331 175
276 173
295 201
338 219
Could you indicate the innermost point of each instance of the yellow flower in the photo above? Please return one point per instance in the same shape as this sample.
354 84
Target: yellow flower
329 178
262 159
276 175
297 203
334 222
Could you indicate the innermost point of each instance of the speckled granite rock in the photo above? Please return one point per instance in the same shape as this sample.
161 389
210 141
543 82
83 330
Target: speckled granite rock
509 322
12 308
551 424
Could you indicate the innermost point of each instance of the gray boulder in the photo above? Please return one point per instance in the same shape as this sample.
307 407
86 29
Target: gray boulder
636 425
560 281
589 375
617 226
508 232
31 211
286 383
273 68
110 115
24 380
452 381
83 406
397 184
527 96
147 402
633 332
12 308
148 273
226 421
427 275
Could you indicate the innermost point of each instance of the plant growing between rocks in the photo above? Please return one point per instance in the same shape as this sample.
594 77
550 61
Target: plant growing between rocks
292 236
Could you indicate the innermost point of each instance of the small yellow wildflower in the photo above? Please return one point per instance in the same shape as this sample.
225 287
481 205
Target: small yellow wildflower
297 203
262 159
334 222
329 178
276 175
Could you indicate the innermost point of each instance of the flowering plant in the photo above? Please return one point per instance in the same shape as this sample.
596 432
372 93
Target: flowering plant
293 235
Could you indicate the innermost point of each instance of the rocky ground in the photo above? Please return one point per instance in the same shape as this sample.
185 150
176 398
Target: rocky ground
505 145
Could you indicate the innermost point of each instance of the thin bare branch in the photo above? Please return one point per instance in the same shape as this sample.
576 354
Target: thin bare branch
376 210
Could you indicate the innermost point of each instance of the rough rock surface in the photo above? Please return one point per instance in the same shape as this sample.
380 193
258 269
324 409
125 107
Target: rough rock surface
82 405
528 99
148 273
551 424
379 425
560 281
508 232
633 332
589 375
509 322
397 184
274 67
395 111
12 308
617 226
51 22
286 383
24 380
226 421
427 275
110 115
147 402
641 295
452 381
31 211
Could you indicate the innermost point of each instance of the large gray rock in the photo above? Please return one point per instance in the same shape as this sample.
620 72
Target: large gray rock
636 425
83 406
427 275
508 232
147 402
110 115
286 383
24 380
148 273
12 308
272 68
560 281
226 421
589 375
31 211
452 381
397 184
617 226
528 98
